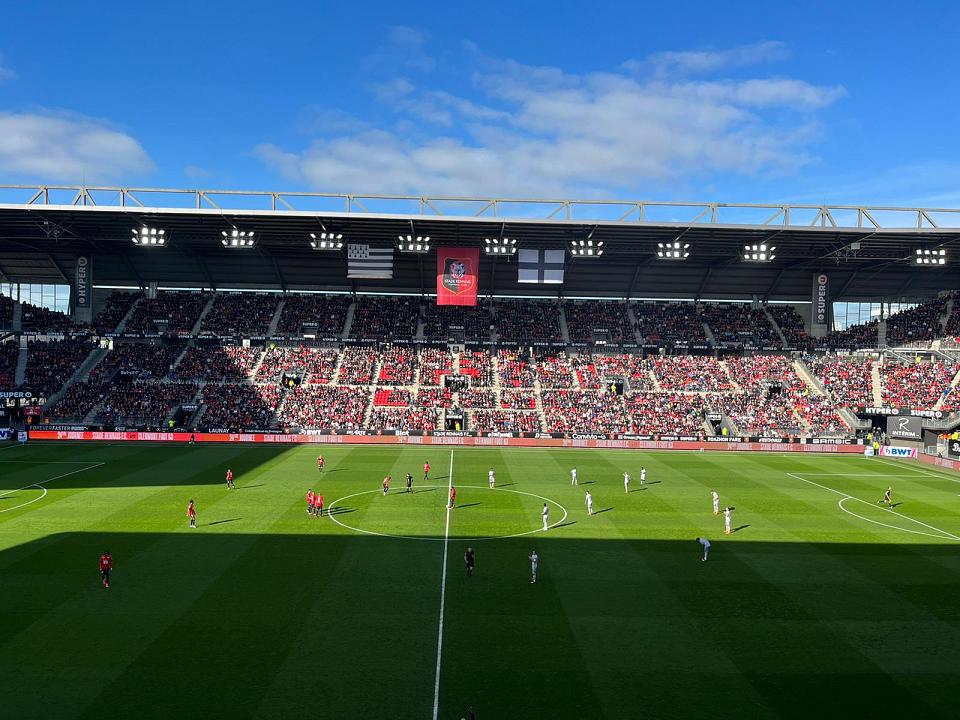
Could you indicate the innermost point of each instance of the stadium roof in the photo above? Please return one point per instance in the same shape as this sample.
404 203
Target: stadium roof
867 251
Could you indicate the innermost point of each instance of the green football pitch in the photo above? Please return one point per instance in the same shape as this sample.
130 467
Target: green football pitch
821 602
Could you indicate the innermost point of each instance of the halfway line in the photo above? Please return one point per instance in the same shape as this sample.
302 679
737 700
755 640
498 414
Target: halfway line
443 594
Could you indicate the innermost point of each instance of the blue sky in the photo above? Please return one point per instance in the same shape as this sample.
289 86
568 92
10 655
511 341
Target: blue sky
828 102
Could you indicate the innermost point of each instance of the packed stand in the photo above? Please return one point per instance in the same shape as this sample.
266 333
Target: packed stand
920 323
669 323
51 364
321 407
584 318
501 421
116 306
855 336
478 366
592 370
433 365
848 381
737 324
413 418
440 321
477 398
690 373
526 321
583 411
171 312
43 320
396 366
217 364
240 314
6 311
135 360
78 400
518 400
9 351
392 397
385 318
313 365
919 385
357 365
664 414
329 312
434 397
791 325
145 400
514 369
553 371
240 406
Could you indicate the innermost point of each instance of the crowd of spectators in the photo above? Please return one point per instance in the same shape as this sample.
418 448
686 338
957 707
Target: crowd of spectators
43 320
921 322
591 370
440 322
9 350
514 369
791 325
553 371
217 363
313 365
669 323
240 314
433 364
478 366
392 397
917 385
865 335
503 421
518 399
145 400
78 400
690 373
240 406
434 397
664 414
51 364
385 317
584 319
572 411
738 324
848 381
139 361
115 307
357 365
321 407
396 365
329 312
478 398
528 321
6 311
411 418
171 312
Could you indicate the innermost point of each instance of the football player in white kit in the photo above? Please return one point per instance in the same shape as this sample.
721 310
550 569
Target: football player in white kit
491 479
546 515
589 503
727 511
534 561
626 482
573 477
706 547
643 475
716 502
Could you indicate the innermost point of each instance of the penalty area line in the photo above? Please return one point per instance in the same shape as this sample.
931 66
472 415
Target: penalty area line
40 485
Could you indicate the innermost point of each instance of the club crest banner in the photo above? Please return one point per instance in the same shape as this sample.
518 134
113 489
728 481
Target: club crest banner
457 276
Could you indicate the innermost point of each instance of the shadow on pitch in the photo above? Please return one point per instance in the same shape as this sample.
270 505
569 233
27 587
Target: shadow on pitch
340 510
654 482
738 529
588 482
474 504
566 524
220 522
247 487
597 512
506 484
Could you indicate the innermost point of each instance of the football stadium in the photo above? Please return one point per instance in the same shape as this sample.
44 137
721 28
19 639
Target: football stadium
513 395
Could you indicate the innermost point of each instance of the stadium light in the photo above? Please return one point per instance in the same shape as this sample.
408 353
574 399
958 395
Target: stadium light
500 246
326 241
149 237
237 238
586 248
419 244
759 253
673 250
931 257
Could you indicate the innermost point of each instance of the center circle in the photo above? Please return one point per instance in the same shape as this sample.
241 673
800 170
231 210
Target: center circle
332 513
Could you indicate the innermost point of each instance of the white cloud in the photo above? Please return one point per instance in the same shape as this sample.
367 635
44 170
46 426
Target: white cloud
195 172
67 148
541 131
701 62
404 50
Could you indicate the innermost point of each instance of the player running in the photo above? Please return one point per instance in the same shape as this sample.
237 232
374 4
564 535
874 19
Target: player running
409 483
320 463
318 505
573 476
887 496
643 475
589 503
534 562
626 482
545 513
453 497
192 514
426 471
229 479
469 559
491 479
706 547
386 485
716 502
106 565
727 517
310 500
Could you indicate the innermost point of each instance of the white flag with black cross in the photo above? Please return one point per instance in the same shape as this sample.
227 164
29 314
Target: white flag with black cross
541 267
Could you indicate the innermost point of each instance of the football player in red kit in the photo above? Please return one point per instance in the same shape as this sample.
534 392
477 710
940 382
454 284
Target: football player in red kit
386 484
426 471
318 504
453 496
229 479
106 565
192 514
320 463
310 499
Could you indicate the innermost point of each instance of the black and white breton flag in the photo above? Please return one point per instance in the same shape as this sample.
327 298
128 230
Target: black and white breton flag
364 261
540 266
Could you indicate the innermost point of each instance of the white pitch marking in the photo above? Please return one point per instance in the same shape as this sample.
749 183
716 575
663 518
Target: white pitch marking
443 594
12 446
52 462
937 475
845 496
41 486
893 527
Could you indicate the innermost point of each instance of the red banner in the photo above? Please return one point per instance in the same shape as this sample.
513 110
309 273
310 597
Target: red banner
457 270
